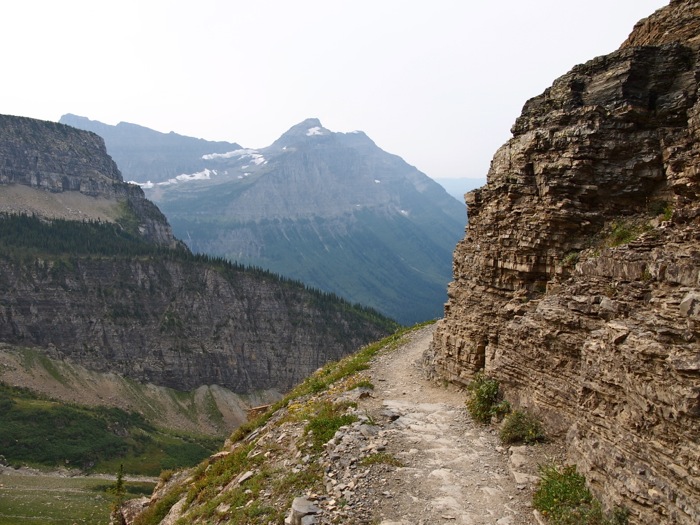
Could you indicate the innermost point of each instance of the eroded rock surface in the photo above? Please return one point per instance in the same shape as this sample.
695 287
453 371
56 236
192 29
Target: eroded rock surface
576 284
61 159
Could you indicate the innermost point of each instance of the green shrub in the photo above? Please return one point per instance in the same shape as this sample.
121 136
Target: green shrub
570 259
521 427
621 234
483 401
563 498
326 422
661 207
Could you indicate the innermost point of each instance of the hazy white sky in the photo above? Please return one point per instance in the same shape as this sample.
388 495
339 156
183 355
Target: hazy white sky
437 82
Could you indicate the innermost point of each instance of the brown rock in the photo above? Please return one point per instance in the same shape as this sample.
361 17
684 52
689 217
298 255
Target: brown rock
605 349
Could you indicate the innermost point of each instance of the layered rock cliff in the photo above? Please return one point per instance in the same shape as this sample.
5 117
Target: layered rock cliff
577 284
60 159
177 322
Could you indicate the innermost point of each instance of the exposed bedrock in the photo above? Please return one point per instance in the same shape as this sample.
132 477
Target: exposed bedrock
577 284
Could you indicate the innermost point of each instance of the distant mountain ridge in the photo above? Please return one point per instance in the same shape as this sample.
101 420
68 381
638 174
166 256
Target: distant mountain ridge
330 209
145 154
56 171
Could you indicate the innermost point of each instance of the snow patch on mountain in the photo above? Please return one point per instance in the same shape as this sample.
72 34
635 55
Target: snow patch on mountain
316 130
205 174
254 155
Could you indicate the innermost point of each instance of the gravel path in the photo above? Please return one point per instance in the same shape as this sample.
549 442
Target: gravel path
454 470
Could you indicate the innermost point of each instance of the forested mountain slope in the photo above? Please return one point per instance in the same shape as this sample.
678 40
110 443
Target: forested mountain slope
330 209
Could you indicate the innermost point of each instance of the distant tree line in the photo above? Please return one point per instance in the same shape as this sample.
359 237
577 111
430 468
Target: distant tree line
26 237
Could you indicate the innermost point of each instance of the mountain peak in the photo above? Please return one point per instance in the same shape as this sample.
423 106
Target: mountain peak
311 127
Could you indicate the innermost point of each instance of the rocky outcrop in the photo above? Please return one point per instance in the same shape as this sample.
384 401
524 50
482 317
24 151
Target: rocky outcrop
577 282
57 158
178 322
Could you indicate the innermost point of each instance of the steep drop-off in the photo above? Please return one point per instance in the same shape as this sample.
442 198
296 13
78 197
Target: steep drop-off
577 284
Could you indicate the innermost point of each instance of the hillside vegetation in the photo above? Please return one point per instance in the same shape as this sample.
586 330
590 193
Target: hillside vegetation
295 428
40 432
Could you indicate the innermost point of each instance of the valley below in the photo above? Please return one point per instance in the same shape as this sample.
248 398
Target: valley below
36 497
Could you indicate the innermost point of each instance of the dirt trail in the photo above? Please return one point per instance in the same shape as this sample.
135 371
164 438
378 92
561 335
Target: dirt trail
455 471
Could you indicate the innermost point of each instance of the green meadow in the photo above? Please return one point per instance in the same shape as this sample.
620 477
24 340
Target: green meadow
44 498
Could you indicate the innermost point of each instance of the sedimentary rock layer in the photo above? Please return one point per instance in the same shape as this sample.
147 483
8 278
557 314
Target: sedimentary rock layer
176 323
577 284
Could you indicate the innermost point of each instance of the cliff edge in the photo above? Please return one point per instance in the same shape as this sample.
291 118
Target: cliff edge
57 171
577 284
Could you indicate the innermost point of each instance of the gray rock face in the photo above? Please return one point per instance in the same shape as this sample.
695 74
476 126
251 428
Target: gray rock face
177 323
58 158
575 284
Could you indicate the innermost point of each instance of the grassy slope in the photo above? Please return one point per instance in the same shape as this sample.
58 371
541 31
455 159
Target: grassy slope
301 422
37 431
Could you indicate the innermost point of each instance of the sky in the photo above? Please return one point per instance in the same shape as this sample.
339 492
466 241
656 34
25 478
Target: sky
437 82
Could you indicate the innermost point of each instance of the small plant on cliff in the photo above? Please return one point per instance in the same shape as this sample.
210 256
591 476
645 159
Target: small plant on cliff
521 427
661 208
328 418
484 399
570 260
621 234
563 498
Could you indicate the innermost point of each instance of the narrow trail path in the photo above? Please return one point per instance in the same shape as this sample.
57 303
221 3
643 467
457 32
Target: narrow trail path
454 470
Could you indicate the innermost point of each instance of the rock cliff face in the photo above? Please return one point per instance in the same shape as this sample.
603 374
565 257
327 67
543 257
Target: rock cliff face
176 323
61 159
577 284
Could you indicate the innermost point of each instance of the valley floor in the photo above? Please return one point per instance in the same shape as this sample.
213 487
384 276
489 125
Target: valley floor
452 469
33 497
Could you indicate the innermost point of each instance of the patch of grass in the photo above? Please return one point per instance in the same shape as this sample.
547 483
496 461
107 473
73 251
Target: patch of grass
154 514
484 399
563 498
293 483
328 418
622 233
521 427
362 383
210 475
570 259
39 499
381 458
